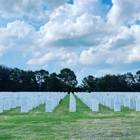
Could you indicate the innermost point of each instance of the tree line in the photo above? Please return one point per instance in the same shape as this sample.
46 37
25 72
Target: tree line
14 79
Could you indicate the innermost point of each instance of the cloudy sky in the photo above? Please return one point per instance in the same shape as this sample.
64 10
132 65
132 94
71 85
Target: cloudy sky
91 37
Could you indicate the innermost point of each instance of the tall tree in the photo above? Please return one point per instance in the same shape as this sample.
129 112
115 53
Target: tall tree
89 83
23 80
137 81
130 81
29 82
122 83
41 77
16 79
68 77
5 81
54 83
101 85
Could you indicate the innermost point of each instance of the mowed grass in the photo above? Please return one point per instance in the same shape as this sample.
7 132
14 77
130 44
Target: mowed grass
64 125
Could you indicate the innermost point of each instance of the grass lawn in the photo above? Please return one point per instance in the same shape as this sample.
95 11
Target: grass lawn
63 125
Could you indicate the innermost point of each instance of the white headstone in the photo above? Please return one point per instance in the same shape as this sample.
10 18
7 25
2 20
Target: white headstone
24 106
13 102
126 102
6 104
111 103
18 102
132 104
1 106
95 105
48 106
138 105
107 102
72 104
117 106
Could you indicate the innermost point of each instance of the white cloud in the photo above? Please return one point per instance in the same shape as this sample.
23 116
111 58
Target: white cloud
66 26
124 12
82 36
2 50
110 60
36 54
18 35
71 60
126 45
87 57
61 56
51 4
134 55
94 55
30 8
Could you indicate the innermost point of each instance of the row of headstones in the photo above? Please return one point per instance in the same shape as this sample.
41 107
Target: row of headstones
51 103
29 100
72 103
112 100
92 103
117 100
10 100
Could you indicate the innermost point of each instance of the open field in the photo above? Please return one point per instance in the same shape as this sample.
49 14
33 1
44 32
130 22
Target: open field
63 125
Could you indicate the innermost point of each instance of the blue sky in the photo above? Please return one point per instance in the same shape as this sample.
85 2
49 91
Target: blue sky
91 37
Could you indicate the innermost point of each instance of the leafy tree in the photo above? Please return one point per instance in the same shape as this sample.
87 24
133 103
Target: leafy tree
130 81
79 88
16 79
101 84
5 82
41 77
29 81
20 80
68 77
54 83
23 80
89 83
137 81
122 83
114 83
109 83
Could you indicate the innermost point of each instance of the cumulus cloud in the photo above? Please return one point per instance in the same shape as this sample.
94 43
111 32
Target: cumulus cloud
85 27
19 38
51 4
17 33
2 50
30 8
60 55
124 12
124 37
74 25
133 55
85 34
98 56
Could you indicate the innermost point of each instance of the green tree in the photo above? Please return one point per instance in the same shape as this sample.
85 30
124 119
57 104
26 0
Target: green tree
29 82
54 83
5 82
137 81
42 77
16 79
122 84
130 81
23 80
68 77
101 85
89 83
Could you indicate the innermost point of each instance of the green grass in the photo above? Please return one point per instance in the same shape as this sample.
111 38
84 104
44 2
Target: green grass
64 125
